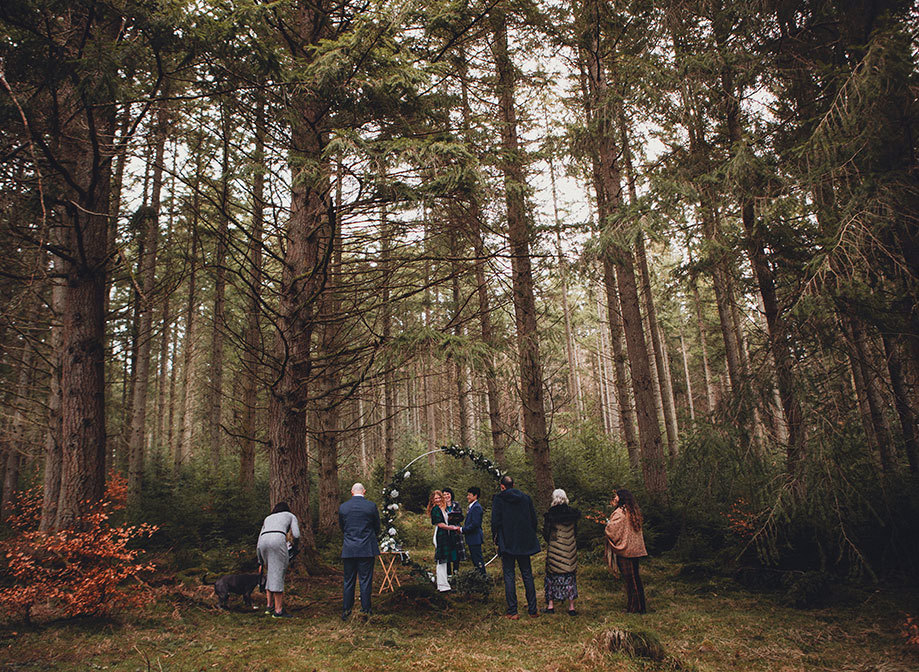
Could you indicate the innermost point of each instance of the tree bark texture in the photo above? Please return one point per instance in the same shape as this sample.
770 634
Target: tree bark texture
307 245
151 223
253 338
519 233
617 257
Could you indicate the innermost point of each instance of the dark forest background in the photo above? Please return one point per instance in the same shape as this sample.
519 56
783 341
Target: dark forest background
254 252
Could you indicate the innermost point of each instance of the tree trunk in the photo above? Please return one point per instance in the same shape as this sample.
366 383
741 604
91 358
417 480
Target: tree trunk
574 385
165 380
459 370
876 405
689 399
328 406
617 255
51 489
150 219
614 319
389 404
253 337
496 425
665 382
18 447
187 423
215 401
305 259
87 147
519 234
901 400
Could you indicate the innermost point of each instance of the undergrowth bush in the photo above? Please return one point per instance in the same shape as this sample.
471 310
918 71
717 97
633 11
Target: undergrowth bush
836 516
94 568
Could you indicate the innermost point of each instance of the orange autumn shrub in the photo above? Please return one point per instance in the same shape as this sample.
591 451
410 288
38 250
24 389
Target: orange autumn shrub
910 632
741 520
91 569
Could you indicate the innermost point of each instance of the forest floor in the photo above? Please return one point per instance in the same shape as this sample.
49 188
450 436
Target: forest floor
711 624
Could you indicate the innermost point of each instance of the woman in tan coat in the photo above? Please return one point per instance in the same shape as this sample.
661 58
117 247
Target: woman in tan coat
625 540
560 531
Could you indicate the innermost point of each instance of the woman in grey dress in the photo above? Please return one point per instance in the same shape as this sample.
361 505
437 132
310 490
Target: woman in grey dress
273 555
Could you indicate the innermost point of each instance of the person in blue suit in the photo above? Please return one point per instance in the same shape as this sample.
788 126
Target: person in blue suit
472 529
359 520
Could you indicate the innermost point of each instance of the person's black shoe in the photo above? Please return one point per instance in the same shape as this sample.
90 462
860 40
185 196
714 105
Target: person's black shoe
549 610
282 614
572 612
345 615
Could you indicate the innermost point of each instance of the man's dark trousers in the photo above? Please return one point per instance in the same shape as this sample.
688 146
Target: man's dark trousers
362 569
510 589
475 554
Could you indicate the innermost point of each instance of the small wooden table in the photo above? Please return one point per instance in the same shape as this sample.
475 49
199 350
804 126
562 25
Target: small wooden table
390 570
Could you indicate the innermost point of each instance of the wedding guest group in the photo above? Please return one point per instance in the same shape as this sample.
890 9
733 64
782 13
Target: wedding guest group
514 532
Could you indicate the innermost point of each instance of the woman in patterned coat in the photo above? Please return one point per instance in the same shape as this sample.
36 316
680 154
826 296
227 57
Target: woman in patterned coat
560 532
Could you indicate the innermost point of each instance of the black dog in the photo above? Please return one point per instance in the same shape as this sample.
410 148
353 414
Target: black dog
240 584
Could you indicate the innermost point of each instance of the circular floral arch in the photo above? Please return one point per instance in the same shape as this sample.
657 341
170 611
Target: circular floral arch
389 537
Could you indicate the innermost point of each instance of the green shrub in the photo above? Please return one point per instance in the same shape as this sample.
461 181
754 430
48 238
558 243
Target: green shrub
808 589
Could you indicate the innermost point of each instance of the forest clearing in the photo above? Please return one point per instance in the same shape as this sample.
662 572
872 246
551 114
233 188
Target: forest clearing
596 283
705 622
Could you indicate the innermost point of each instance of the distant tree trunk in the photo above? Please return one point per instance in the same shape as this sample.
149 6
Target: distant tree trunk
496 426
901 400
519 234
703 338
164 380
253 337
459 371
51 489
187 421
617 258
328 405
574 385
621 376
876 405
689 399
215 399
150 220
17 447
665 382
756 248
427 371
123 459
389 403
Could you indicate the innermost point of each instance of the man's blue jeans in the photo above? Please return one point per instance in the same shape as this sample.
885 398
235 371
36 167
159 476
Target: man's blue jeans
510 589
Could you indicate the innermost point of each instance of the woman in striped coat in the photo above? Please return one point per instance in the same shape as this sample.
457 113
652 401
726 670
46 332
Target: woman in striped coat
560 532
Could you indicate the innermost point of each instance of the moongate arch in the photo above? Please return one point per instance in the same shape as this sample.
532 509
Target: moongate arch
389 536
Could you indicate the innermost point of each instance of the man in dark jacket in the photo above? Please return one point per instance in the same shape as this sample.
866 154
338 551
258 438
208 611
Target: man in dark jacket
360 523
513 525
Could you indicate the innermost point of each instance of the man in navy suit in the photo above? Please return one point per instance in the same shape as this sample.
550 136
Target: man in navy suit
513 526
472 530
359 520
